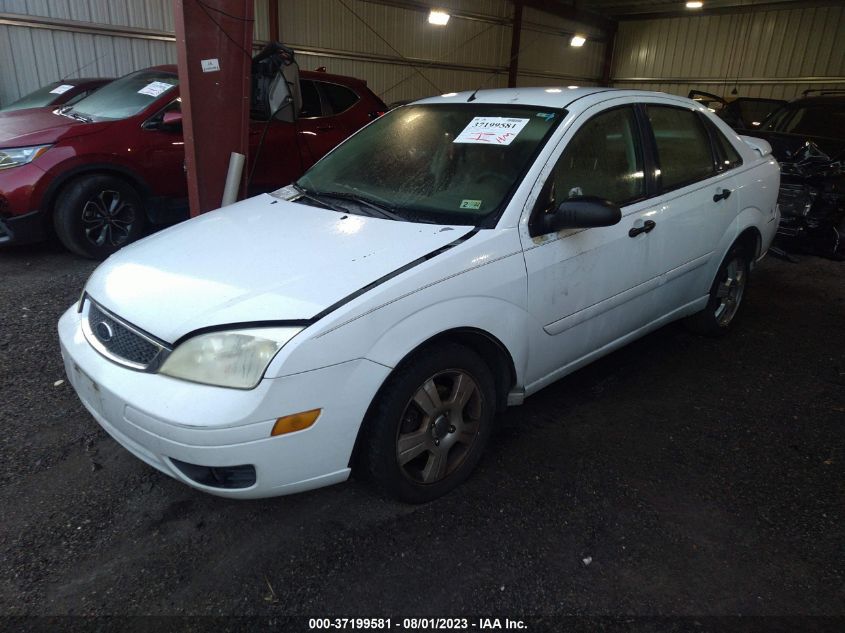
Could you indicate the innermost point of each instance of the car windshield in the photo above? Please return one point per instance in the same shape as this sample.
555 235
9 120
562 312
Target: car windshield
40 98
127 96
822 120
444 163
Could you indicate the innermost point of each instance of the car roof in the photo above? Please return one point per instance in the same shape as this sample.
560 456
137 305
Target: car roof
547 97
88 80
305 74
818 100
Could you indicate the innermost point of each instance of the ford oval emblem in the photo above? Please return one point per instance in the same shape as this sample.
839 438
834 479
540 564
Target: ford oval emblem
104 331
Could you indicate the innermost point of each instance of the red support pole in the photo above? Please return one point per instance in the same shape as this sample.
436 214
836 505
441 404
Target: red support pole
516 32
213 47
273 11
607 61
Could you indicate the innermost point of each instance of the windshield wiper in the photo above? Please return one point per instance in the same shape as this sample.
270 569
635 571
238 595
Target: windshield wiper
75 115
311 196
381 209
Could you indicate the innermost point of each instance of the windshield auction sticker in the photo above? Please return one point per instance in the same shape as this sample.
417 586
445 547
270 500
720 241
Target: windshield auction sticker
155 88
60 90
491 130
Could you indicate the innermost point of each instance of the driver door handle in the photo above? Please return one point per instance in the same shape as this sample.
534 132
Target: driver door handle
647 226
724 194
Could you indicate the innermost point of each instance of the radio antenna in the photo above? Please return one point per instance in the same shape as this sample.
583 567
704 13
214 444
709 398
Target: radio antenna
82 67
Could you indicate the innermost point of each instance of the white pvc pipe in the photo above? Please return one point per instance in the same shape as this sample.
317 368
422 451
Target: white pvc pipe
233 179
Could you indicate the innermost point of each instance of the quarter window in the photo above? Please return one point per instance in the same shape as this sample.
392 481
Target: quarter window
601 160
340 98
728 156
683 147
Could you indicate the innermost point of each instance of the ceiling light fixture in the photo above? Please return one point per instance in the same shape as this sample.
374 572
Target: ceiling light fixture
438 17
695 4
577 40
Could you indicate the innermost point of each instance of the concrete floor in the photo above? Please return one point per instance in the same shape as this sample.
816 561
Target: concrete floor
702 477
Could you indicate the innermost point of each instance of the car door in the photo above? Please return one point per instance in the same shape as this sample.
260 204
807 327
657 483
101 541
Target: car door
164 164
276 156
697 203
590 287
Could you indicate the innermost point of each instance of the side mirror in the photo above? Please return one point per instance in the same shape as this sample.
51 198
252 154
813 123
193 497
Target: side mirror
579 213
172 120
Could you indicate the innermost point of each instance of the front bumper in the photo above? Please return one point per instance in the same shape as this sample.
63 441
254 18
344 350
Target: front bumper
23 229
20 196
161 419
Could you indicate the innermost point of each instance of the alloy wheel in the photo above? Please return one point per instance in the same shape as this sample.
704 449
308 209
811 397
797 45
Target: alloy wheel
107 218
730 291
439 426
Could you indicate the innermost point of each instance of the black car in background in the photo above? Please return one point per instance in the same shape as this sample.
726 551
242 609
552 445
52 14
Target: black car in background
807 136
743 114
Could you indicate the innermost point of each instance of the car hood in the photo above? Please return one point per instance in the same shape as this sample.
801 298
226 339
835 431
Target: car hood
259 260
37 126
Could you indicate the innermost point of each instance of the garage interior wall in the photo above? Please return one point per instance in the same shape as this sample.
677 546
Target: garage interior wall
774 54
43 41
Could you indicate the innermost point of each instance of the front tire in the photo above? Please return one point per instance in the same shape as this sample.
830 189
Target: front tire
427 430
726 294
98 214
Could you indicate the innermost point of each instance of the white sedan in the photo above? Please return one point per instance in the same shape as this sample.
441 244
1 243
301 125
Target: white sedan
448 260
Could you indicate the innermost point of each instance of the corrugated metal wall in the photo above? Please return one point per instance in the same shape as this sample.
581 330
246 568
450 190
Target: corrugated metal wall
468 52
35 55
764 53
546 53
464 55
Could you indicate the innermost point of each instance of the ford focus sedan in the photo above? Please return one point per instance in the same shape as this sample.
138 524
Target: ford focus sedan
448 260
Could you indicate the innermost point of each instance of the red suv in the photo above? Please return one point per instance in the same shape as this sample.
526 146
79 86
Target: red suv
101 170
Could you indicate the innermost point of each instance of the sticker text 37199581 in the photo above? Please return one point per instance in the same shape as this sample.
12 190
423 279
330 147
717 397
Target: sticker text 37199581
491 130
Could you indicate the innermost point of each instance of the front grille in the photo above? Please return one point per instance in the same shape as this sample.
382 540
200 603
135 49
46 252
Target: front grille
119 341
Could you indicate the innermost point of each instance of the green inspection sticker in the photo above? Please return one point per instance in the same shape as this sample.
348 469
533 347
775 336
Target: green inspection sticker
470 204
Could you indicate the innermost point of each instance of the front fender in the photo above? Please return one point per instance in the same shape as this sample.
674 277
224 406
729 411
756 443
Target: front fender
466 288
504 322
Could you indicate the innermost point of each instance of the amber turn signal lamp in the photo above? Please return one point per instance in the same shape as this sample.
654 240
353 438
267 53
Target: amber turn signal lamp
295 422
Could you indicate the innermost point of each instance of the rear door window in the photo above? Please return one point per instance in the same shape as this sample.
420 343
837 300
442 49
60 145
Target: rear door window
311 106
684 153
340 98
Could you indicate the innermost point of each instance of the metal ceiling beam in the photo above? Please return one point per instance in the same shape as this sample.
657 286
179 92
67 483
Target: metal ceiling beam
731 10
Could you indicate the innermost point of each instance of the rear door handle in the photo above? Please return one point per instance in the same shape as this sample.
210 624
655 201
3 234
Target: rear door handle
647 226
724 194
325 128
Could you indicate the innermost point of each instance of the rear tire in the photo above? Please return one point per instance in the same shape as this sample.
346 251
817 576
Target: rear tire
98 214
427 430
726 294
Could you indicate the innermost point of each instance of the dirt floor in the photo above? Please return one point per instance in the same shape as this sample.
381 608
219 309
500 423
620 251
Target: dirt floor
679 476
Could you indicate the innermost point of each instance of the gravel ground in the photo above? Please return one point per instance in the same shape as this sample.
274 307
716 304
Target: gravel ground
698 476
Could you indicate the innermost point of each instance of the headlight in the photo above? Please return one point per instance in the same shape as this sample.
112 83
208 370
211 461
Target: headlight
235 359
16 156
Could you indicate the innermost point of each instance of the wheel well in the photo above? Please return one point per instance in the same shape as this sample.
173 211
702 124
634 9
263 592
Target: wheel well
487 346
492 352
64 181
751 240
